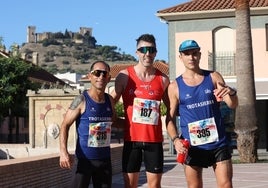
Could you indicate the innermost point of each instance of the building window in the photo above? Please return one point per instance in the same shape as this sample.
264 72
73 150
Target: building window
223 62
222 57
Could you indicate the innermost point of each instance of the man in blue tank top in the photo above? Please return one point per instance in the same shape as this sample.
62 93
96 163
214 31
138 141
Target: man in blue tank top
195 97
93 112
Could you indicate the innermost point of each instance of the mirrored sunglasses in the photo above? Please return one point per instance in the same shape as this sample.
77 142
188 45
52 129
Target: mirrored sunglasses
97 73
146 49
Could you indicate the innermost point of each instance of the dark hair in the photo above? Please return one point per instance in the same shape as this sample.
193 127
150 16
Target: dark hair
106 64
147 38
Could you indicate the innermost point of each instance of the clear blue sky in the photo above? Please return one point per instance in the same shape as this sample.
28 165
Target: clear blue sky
114 22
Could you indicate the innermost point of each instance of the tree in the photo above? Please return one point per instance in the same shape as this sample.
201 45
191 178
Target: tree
246 119
67 34
1 43
14 84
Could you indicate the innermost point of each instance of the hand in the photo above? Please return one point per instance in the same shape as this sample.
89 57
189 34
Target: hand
179 146
66 160
222 90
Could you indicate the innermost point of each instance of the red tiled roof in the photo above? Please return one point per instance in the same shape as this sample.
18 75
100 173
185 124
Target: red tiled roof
163 67
206 5
118 67
115 69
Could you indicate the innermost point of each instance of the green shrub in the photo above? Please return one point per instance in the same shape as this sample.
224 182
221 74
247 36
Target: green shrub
163 109
119 108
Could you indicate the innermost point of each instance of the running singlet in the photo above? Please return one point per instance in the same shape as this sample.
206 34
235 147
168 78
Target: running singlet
94 129
142 106
200 116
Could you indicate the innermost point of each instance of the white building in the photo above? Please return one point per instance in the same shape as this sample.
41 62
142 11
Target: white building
71 78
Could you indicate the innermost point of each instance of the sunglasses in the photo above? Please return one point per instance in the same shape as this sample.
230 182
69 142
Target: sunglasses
146 49
97 73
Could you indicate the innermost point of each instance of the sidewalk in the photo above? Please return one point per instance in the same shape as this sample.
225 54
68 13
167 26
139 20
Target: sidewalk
253 175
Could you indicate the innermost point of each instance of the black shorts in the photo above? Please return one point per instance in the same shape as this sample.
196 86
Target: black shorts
206 158
135 152
100 171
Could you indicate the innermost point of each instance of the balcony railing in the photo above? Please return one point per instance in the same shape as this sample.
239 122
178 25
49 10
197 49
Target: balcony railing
223 62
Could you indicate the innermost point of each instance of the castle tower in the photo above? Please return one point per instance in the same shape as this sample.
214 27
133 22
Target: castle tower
31 34
84 30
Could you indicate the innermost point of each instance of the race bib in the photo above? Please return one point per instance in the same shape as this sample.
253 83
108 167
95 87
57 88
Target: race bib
203 132
99 134
145 111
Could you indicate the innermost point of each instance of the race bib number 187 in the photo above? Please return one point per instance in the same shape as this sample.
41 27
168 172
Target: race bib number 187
145 111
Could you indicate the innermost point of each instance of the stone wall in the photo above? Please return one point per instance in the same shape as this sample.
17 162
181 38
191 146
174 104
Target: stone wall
44 170
47 109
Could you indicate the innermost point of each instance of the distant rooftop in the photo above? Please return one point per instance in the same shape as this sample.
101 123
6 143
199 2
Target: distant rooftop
205 5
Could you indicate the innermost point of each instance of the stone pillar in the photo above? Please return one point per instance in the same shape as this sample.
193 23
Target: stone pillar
31 122
35 58
23 55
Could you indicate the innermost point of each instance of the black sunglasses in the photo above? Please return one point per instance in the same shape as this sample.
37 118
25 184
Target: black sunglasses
146 49
97 73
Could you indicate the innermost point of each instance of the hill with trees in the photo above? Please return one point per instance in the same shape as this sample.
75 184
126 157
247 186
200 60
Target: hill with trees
61 53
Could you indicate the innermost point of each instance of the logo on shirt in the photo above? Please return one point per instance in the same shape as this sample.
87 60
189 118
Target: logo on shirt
207 91
134 92
151 92
138 92
92 109
188 96
146 86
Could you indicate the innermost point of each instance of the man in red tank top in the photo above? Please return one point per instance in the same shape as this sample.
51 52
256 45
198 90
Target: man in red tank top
142 88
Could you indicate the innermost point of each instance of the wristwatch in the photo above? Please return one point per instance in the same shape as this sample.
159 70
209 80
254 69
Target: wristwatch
175 137
234 92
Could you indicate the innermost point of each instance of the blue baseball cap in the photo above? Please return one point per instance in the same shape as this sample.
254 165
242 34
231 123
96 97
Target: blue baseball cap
188 45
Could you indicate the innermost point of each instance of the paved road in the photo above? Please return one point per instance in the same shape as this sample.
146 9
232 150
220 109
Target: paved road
253 175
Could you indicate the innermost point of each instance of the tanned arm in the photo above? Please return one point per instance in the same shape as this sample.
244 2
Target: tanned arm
72 113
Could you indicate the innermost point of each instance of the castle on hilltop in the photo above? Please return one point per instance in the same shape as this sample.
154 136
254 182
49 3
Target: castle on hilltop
77 37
